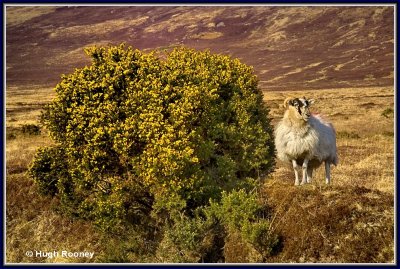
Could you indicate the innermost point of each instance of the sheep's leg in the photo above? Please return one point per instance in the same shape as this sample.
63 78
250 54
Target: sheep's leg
309 174
296 173
305 166
327 172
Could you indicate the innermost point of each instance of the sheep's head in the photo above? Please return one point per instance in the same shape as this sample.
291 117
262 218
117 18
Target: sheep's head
300 107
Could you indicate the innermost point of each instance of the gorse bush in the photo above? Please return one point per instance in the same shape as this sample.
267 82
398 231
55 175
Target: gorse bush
50 170
197 237
145 139
241 214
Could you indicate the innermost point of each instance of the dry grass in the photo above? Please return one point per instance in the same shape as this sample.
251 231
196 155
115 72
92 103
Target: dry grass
208 35
23 105
350 221
33 225
187 20
102 28
17 15
338 224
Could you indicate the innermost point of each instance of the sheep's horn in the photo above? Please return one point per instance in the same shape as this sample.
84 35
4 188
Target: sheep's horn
286 102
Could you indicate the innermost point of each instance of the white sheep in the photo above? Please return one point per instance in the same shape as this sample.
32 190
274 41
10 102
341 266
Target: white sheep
305 139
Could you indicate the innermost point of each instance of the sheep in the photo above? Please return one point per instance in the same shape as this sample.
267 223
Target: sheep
302 138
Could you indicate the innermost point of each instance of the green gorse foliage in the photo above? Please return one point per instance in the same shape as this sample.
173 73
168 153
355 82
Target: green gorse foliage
144 139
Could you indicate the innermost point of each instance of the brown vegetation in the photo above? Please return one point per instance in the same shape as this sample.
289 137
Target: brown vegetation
345 224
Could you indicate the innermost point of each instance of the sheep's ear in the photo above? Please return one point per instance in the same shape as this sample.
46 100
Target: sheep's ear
287 102
310 101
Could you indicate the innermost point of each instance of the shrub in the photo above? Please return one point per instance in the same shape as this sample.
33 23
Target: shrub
48 169
30 129
146 138
10 135
238 216
240 213
345 134
388 112
186 239
388 133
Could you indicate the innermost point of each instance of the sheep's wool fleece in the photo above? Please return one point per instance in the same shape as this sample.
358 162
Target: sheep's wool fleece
315 139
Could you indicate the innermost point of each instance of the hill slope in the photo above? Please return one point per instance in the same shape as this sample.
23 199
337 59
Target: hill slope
289 47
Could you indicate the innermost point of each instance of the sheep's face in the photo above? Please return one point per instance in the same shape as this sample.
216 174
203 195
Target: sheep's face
300 107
